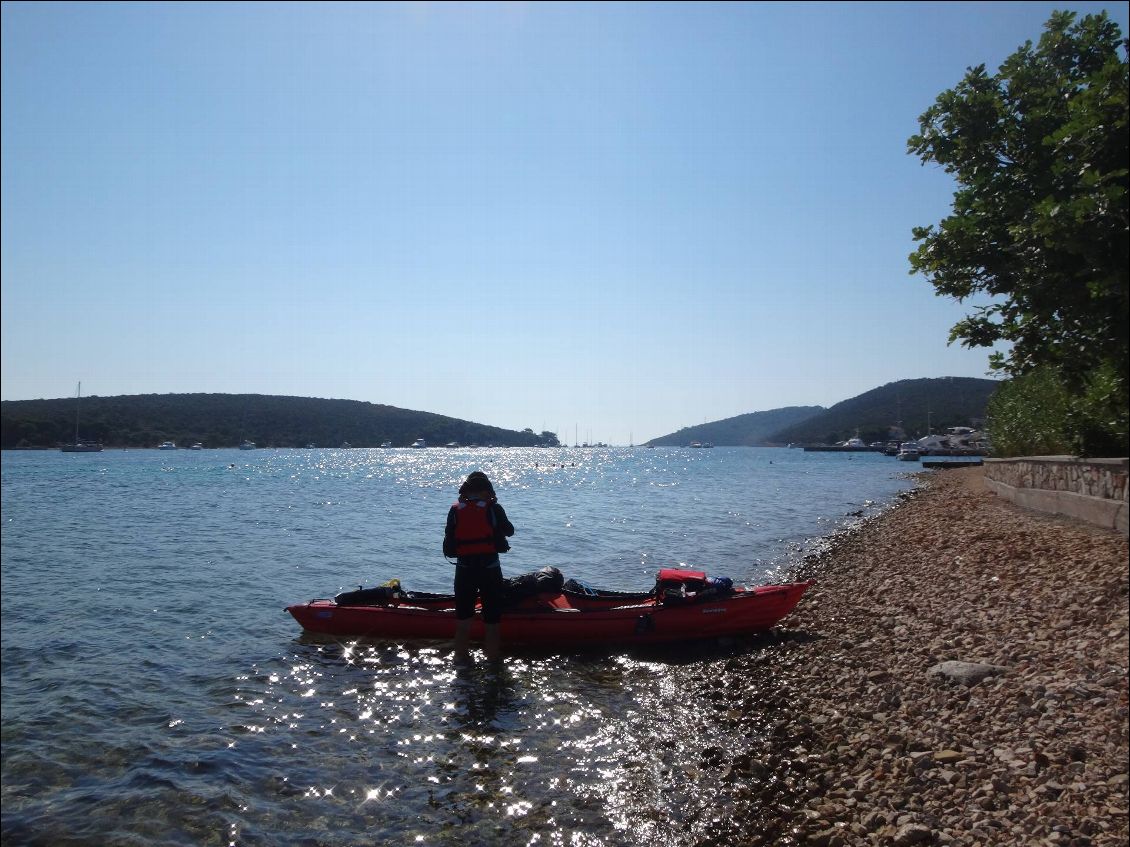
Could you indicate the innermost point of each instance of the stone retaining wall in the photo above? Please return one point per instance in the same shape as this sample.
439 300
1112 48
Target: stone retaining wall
1094 490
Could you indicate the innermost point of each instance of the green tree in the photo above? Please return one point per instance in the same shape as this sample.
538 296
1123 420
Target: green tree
1039 221
1027 415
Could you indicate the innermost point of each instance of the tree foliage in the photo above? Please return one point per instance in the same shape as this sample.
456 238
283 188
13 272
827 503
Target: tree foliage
1039 222
1028 415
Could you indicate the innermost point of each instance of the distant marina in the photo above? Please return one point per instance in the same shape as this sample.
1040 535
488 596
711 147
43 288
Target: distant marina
957 442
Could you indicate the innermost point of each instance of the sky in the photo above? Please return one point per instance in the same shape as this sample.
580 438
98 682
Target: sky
609 221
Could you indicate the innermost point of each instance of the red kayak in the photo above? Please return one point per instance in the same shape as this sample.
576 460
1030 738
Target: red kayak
566 618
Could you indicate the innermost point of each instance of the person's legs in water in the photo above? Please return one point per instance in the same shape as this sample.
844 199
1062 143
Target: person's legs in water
491 592
492 642
466 590
462 633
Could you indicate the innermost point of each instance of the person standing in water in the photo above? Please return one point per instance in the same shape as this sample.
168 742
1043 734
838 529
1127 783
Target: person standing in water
476 532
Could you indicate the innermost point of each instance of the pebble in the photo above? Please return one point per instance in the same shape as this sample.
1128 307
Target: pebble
858 743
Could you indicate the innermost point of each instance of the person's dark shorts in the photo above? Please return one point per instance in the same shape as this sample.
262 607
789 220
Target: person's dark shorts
478 577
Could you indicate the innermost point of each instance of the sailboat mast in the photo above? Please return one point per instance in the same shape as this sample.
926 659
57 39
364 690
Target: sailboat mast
78 398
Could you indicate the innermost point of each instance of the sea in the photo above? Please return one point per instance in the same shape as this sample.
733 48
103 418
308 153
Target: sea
155 691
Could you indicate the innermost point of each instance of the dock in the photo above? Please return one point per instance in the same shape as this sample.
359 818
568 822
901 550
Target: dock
835 448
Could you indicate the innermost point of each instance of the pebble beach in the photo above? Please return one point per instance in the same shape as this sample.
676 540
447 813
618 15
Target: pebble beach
956 676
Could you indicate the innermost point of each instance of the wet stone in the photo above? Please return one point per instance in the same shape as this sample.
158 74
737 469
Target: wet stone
993 752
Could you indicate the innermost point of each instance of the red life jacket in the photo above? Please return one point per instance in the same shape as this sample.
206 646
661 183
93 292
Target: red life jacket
474 528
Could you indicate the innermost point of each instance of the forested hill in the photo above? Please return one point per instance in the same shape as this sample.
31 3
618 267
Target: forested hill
225 420
749 430
919 405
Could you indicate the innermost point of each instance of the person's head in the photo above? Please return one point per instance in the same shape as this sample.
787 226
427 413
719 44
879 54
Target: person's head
476 487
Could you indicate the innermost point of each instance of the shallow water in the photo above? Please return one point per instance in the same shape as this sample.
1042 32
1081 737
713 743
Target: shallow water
154 691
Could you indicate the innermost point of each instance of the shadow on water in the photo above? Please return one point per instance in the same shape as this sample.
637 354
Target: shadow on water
482 691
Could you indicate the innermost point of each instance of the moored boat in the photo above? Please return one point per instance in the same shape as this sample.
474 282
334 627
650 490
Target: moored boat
909 452
80 445
566 617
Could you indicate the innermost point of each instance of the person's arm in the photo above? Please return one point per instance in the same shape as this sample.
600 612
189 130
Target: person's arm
502 529
503 525
449 534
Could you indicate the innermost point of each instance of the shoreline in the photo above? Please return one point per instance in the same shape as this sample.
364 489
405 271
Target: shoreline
850 735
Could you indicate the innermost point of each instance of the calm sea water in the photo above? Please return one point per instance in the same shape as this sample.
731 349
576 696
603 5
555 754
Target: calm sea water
155 692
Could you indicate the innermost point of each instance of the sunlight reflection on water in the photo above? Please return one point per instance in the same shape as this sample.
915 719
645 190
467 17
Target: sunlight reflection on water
570 746
155 692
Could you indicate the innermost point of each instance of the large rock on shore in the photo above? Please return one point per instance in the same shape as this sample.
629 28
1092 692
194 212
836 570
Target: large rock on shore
966 673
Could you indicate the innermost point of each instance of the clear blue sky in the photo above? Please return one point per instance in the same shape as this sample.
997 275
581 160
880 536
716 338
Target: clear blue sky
599 219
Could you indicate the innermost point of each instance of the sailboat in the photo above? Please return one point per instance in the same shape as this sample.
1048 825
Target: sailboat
78 445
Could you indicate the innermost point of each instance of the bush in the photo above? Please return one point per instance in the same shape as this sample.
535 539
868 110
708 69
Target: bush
1097 422
1028 416
1038 415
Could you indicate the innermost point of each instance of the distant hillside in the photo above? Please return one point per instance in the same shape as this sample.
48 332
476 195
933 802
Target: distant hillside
749 430
224 420
921 405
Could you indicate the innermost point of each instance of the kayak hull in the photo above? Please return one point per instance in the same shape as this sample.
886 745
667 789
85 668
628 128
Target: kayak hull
556 621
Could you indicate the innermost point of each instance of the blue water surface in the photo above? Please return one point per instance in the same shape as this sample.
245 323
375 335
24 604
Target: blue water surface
155 692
